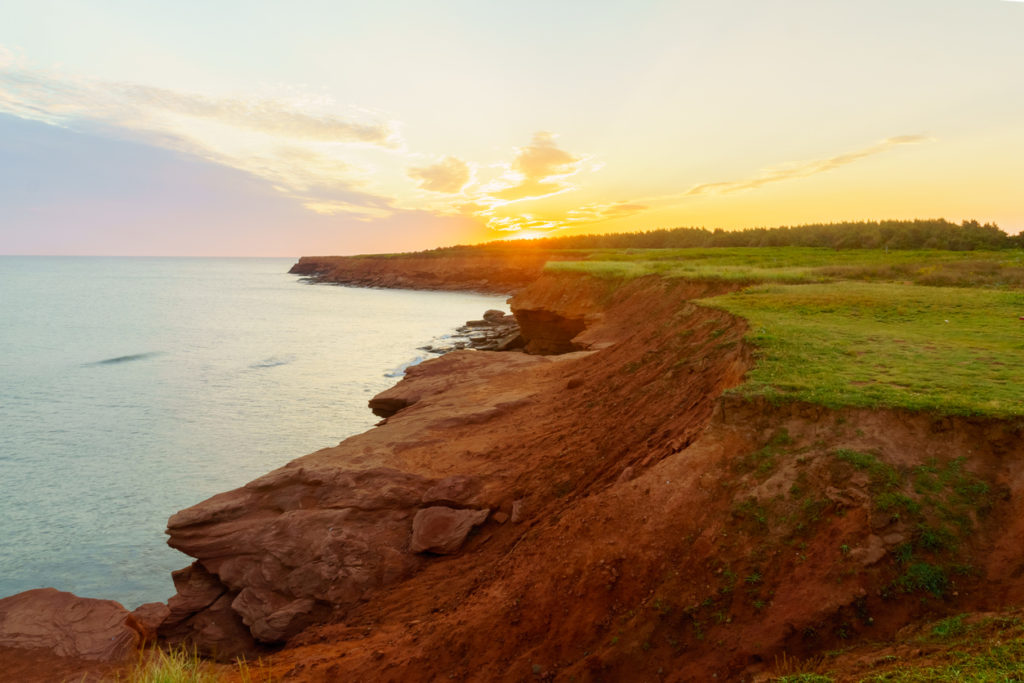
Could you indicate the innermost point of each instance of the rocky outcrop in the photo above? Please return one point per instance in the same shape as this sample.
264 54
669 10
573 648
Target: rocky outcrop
497 331
66 625
299 543
318 538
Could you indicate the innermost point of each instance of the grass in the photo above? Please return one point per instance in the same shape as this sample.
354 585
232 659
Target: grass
987 650
184 665
948 350
984 652
925 330
804 264
179 665
939 501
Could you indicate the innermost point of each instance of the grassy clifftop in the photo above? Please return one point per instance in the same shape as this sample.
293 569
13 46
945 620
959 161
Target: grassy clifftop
924 330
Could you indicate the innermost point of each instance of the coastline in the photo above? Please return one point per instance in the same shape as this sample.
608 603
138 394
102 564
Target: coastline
548 514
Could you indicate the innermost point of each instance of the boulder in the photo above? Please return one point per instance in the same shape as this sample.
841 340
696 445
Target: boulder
296 545
442 530
67 625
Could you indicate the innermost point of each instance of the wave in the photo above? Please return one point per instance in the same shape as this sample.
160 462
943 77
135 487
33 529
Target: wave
400 370
126 359
272 362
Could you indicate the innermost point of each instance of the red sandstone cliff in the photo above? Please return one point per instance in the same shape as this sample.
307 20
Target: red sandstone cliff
500 273
601 514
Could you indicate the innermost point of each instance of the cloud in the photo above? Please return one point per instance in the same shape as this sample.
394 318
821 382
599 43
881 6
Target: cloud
303 147
542 158
351 163
269 116
346 162
543 162
803 169
539 169
449 175
583 215
39 95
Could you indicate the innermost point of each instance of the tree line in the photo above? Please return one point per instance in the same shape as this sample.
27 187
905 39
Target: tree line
915 234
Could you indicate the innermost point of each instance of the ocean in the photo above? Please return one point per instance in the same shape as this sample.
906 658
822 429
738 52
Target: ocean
131 388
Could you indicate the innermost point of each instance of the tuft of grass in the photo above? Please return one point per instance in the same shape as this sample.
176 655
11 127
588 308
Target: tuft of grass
804 678
184 665
923 576
179 665
950 627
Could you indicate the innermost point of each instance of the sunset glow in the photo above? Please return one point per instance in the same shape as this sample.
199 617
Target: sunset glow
344 128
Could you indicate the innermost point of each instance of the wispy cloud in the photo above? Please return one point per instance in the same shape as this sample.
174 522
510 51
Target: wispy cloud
596 213
803 169
272 117
300 145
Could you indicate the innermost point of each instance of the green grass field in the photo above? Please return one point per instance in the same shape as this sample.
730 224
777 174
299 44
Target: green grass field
924 330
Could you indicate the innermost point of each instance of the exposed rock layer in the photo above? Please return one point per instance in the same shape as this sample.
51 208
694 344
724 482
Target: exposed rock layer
330 530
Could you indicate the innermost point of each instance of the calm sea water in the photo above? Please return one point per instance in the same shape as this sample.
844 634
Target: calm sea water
131 388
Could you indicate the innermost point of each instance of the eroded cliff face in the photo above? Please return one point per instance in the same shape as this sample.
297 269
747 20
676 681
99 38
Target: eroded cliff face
469 449
499 273
603 513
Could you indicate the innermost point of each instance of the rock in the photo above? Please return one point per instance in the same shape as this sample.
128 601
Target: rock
148 618
442 530
272 617
517 511
625 475
495 316
67 625
847 498
196 589
295 545
500 517
511 341
871 553
384 406
217 631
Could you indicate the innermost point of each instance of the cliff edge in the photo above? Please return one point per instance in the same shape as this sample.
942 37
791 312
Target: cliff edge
601 507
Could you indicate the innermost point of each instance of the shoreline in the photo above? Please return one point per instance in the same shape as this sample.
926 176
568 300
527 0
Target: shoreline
559 509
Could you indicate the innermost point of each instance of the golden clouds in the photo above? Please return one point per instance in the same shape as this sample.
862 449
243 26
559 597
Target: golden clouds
449 175
540 169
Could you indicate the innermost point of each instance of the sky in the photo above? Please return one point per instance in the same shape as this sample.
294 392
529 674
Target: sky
258 128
